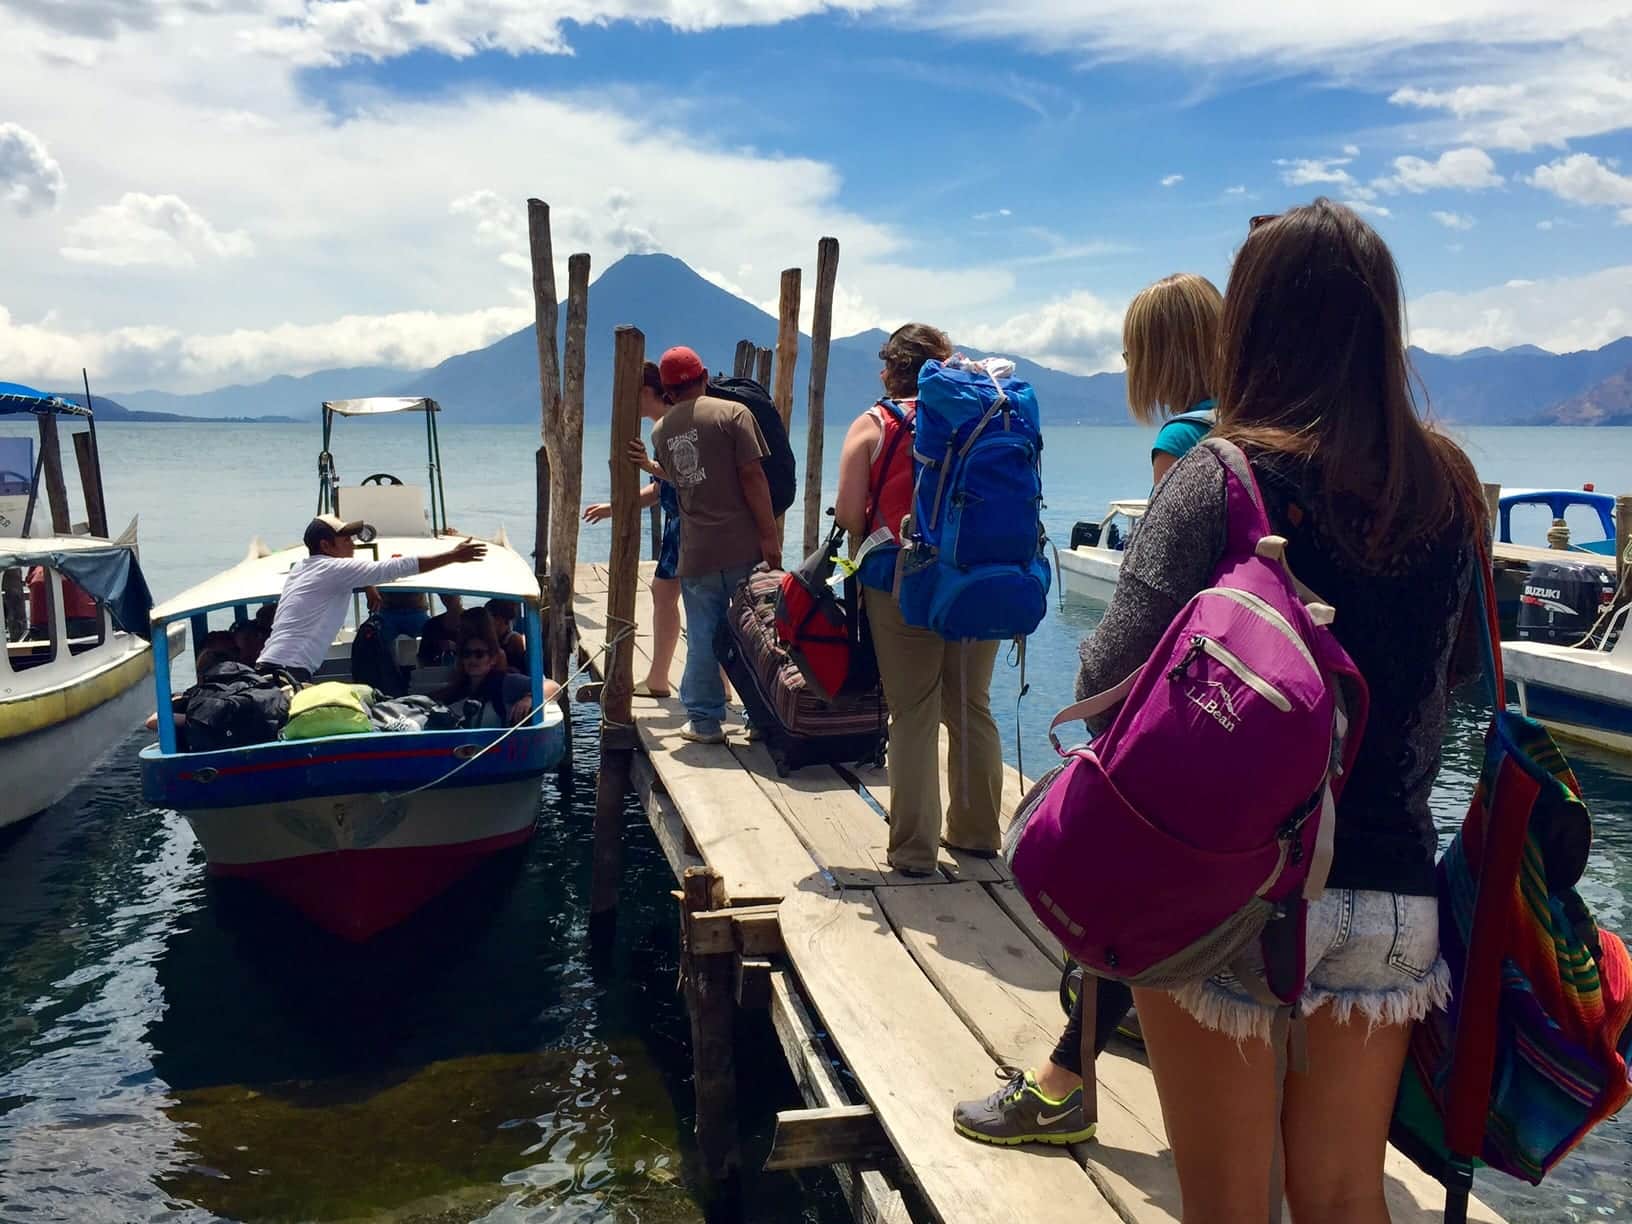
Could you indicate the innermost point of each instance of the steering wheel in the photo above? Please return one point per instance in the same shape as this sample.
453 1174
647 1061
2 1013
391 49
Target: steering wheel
382 478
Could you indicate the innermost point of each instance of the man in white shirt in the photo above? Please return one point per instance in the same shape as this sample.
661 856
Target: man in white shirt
313 604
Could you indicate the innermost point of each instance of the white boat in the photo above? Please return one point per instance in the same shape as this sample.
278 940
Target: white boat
71 680
1093 563
1581 692
358 831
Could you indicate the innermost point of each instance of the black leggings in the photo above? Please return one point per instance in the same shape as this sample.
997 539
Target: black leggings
1111 1002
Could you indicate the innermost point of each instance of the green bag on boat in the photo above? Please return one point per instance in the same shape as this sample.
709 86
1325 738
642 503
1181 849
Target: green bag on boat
330 708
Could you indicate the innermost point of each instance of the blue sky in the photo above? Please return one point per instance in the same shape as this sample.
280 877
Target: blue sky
203 191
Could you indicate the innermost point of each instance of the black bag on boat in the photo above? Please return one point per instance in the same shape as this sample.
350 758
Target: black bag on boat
234 706
781 472
414 712
374 660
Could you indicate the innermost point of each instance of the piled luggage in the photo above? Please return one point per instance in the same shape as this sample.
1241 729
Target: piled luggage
799 725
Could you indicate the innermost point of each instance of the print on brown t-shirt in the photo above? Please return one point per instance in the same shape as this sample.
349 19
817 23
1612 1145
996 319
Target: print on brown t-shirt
700 445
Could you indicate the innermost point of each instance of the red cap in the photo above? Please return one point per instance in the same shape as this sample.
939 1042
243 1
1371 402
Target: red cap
679 366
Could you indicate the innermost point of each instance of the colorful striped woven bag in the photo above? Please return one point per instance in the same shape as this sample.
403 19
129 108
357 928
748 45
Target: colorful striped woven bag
1532 1053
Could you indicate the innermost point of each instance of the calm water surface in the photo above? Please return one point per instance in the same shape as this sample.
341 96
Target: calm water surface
172 1051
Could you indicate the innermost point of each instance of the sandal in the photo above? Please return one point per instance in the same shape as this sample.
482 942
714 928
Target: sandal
645 690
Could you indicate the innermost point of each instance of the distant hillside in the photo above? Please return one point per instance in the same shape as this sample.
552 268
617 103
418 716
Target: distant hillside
284 396
1606 403
112 410
673 305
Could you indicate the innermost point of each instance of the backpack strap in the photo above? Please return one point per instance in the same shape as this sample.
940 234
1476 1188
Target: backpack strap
894 444
1246 517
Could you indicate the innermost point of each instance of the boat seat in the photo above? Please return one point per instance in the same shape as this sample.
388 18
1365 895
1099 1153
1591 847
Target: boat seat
392 510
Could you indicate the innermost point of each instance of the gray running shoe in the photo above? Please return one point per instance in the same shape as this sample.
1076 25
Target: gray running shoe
1019 1113
702 731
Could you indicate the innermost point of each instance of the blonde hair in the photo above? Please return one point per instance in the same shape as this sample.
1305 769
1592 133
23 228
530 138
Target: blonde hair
1170 341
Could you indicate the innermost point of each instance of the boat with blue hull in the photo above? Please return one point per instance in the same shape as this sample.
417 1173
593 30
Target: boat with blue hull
358 831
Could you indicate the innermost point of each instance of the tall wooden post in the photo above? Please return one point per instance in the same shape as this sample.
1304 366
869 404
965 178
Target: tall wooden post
541 532
545 320
90 480
821 336
56 490
787 344
762 367
617 725
1623 536
567 470
709 999
742 365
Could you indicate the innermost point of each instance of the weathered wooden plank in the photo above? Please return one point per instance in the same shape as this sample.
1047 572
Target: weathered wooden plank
753 982
1007 992
734 829
814 1138
914 1060
836 825
872 1198
956 864
1008 897
664 817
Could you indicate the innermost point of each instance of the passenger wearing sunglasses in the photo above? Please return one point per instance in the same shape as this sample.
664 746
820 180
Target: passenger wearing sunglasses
312 607
483 676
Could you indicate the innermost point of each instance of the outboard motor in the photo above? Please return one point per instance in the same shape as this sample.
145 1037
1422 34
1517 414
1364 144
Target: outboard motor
1085 535
1563 601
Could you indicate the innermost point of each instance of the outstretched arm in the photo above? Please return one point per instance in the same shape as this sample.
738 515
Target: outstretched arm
466 550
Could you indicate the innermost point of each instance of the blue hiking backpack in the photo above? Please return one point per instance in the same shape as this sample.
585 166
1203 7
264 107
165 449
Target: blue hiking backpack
974 567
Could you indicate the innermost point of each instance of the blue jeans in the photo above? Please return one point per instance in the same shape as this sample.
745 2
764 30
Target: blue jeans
705 599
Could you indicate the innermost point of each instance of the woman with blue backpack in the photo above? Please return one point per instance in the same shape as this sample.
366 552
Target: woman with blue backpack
1169 338
1383 518
928 680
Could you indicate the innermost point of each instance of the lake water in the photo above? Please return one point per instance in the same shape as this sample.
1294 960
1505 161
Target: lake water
170 1052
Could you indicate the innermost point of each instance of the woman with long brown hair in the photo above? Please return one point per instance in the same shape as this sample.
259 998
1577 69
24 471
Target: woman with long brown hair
1382 516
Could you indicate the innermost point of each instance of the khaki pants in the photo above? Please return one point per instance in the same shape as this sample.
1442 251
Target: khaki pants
929 681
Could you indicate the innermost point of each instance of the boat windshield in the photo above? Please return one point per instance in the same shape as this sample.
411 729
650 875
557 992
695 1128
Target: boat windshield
382 494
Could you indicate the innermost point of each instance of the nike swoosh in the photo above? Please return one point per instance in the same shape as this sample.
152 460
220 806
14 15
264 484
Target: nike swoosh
1049 1120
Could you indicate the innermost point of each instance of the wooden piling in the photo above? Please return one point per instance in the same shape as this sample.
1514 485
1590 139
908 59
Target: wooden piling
541 527
90 480
787 344
546 318
709 985
762 373
617 725
56 490
1623 536
742 366
821 337
567 468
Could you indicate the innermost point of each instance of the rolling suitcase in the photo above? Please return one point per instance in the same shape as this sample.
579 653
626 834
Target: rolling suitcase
799 727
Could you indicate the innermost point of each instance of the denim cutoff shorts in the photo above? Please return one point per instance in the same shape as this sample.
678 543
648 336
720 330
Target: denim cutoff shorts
1371 953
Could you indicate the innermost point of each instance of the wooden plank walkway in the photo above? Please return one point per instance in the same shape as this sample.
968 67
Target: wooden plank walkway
924 987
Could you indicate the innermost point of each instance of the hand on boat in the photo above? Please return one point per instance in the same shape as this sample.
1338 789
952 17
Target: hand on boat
519 710
637 455
468 550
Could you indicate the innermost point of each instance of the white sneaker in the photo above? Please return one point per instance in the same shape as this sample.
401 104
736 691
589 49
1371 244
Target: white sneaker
703 733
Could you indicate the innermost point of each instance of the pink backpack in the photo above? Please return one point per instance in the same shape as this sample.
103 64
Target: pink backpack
1203 817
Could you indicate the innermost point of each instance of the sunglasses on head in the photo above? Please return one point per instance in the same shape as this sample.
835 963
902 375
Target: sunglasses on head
1261 219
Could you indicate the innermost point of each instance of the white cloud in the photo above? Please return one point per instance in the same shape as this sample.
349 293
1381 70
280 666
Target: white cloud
1467 169
30 179
1081 333
1562 315
1369 209
1581 178
163 230
1452 220
1302 171
1546 225
144 356
993 214
1172 180
1351 150
1237 190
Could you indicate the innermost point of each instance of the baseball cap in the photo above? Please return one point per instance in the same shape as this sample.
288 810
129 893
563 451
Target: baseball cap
681 365
328 526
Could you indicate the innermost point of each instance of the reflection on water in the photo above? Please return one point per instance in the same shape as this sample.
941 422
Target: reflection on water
172 1049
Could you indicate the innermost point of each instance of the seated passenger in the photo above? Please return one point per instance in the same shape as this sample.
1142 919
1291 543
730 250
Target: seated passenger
79 609
482 675
208 660
505 613
248 637
439 642
402 614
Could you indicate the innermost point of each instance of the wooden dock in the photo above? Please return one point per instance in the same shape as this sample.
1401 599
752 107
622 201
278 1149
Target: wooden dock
920 989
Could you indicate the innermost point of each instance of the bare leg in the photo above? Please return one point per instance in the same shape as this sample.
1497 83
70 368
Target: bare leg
1218 1100
1354 1070
665 632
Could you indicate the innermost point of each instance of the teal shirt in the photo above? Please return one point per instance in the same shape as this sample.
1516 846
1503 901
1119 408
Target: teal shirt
1180 435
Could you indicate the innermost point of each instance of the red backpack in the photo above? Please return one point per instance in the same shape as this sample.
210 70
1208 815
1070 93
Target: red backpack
827 642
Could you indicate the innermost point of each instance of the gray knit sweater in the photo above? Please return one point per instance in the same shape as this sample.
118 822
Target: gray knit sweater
1399 624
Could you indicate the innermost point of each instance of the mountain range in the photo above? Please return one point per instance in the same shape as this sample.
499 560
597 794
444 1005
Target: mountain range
674 305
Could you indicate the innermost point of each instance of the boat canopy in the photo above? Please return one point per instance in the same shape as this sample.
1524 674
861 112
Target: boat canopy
502 574
15 398
106 570
1131 508
379 405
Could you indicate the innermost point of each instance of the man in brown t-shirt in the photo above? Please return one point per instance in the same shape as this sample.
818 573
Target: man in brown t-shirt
710 451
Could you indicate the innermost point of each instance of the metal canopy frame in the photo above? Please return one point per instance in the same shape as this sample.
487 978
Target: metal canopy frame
328 483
